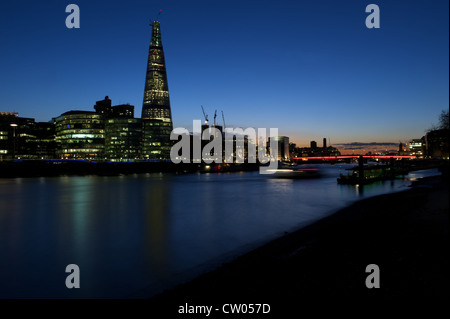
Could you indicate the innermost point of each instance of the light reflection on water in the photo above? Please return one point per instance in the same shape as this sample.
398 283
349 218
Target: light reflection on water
138 234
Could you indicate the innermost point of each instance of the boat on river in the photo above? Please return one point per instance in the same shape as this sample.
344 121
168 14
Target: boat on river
371 173
295 171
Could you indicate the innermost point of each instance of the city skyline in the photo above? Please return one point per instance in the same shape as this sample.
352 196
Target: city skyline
311 70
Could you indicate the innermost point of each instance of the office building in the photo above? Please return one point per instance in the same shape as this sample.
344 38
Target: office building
80 135
123 138
417 147
23 138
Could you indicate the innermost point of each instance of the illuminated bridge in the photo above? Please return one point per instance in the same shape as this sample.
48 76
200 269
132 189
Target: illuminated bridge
354 156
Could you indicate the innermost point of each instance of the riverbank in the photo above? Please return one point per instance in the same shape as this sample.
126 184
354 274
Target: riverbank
60 167
77 167
405 234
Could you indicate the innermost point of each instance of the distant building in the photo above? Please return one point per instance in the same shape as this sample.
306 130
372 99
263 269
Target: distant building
283 147
315 151
417 147
437 143
241 144
292 147
123 110
218 134
103 107
401 148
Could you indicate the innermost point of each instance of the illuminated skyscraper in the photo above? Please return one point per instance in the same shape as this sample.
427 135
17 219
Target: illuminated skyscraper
156 113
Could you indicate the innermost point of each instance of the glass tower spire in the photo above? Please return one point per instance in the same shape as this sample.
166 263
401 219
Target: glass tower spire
156 113
156 94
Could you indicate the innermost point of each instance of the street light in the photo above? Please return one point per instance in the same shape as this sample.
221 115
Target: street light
14 125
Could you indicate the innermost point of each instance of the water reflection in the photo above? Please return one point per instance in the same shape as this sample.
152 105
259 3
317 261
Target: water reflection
129 233
157 200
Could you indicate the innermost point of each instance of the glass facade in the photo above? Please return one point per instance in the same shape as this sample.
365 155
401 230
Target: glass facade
37 141
156 139
156 105
80 135
123 138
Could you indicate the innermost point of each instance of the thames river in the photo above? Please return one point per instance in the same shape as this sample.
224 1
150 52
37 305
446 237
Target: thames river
135 235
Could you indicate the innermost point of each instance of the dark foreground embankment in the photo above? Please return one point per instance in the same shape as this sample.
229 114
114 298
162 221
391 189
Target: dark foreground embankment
405 234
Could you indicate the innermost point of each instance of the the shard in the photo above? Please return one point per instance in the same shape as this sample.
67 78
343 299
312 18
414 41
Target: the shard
156 113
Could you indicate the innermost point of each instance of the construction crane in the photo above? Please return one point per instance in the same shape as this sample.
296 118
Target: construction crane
223 118
205 115
215 115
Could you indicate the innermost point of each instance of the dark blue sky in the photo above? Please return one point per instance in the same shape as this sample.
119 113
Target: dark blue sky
310 68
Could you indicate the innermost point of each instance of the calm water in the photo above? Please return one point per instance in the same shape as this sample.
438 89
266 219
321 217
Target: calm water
133 236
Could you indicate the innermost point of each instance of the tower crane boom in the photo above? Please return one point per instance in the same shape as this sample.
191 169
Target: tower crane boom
223 118
205 115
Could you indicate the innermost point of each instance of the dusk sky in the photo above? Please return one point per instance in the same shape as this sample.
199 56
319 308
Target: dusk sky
310 68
